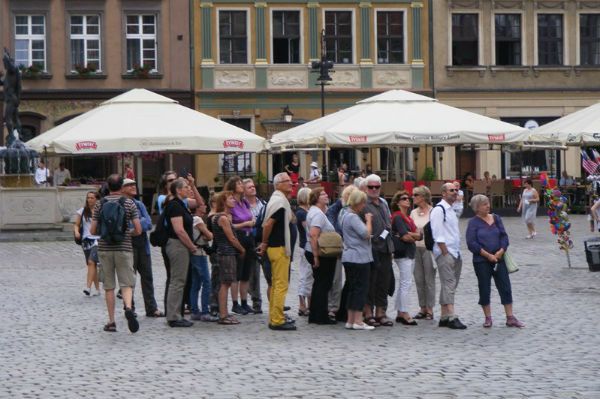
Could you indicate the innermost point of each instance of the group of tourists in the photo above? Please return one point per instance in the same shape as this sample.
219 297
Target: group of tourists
346 252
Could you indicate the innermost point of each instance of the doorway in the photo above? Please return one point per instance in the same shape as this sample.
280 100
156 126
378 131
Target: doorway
466 161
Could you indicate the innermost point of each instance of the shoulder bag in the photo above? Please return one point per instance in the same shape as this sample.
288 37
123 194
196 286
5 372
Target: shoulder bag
510 263
330 244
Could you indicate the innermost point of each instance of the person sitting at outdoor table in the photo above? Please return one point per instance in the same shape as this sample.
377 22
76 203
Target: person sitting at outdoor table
566 180
488 182
315 175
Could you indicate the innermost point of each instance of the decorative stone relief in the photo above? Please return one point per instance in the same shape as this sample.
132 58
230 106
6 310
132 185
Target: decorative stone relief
549 4
21 207
586 5
388 78
346 78
508 4
463 4
234 79
287 79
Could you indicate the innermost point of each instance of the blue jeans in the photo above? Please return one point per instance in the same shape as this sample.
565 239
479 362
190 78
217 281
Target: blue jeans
200 281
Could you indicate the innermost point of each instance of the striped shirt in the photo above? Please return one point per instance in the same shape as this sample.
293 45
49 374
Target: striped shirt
131 213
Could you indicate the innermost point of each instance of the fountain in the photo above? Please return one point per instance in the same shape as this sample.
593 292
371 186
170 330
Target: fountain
17 162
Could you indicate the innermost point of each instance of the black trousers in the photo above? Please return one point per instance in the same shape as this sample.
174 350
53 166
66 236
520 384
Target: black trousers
142 264
357 278
215 282
379 279
323 280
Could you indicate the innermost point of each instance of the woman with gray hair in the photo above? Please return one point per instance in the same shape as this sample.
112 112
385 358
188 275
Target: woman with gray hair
488 241
305 281
425 271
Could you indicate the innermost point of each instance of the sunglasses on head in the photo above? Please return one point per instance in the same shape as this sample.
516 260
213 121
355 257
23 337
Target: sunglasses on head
373 187
404 198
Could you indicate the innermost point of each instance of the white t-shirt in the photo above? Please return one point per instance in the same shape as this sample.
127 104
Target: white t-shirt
420 222
314 174
41 175
60 176
197 220
86 226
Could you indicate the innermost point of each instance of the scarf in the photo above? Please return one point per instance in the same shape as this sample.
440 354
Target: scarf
277 201
407 221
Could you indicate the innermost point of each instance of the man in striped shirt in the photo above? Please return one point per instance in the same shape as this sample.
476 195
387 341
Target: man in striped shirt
117 257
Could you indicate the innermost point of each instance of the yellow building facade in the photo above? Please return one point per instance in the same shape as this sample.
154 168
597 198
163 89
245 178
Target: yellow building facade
253 59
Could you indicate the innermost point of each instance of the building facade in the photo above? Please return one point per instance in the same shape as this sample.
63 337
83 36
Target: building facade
526 62
75 54
253 62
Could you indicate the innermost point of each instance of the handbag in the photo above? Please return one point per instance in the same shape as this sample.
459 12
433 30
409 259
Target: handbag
330 244
510 263
399 245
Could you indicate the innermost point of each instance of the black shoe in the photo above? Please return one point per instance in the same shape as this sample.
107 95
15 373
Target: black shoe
132 322
119 294
443 323
455 324
283 327
288 319
257 310
180 323
248 309
238 309
286 308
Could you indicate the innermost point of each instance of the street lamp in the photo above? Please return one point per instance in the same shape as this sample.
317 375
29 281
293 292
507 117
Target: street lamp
287 115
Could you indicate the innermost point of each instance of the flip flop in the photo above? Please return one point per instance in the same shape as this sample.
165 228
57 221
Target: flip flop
384 321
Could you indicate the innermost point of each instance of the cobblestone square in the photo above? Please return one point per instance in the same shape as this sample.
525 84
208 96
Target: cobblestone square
52 343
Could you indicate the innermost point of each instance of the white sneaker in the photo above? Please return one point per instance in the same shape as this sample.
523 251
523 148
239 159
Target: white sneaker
362 327
95 292
348 326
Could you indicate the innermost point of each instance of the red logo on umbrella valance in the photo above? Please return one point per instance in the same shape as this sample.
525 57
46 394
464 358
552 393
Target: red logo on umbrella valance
496 137
233 144
86 145
357 139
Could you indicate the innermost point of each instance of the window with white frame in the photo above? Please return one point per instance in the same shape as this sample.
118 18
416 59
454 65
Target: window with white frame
550 39
233 37
237 163
30 41
85 43
338 36
465 39
508 39
589 39
390 37
286 37
141 42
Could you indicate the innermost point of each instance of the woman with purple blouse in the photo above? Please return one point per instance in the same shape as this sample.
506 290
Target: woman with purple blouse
488 241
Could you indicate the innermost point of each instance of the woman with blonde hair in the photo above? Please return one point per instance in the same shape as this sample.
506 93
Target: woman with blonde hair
425 271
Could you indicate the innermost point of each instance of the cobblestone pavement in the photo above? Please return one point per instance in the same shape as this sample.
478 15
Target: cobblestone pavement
52 343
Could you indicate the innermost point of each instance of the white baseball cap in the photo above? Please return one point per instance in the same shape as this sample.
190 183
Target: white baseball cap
314 165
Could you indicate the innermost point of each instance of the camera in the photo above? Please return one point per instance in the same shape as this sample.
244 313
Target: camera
209 249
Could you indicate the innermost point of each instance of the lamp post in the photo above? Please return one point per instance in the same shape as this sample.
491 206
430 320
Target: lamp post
323 68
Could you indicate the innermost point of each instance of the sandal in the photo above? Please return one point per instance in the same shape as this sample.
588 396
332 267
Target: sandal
428 316
384 321
304 312
372 321
420 315
229 320
110 327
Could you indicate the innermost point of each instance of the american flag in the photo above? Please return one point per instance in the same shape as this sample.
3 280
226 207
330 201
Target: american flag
589 165
596 156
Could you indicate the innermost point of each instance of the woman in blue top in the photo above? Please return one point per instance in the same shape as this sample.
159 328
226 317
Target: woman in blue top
488 241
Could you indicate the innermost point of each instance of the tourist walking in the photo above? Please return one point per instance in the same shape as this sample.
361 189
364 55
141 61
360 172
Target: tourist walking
381 272
446 250
323 267
115 250
277 242
89 242
357 258
488 241
528 207
425 271
305 279
179 248
406 234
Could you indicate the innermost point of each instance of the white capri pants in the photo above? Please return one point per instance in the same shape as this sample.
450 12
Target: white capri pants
406 267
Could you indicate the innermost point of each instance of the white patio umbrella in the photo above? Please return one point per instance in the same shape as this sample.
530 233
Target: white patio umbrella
577 128
400 118
142 121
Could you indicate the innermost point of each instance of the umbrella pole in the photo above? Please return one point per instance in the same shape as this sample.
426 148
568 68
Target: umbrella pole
139 172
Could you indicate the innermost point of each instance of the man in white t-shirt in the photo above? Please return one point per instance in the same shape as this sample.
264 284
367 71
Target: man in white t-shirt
61 174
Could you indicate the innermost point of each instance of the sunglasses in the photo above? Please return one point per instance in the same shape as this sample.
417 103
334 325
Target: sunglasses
452 190
404 198
373 187
171 180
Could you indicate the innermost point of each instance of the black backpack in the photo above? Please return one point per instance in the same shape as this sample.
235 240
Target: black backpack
159 236
113 220
428 234
258 227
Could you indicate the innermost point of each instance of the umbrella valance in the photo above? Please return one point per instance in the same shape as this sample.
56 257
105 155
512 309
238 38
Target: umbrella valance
142 121
577 128
400 118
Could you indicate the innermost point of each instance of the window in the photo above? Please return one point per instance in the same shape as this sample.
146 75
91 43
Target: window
141 42
390 37
550 39
85 42
338 36
30 41
508 39
286 37
465 39
233 37
589 39
237 163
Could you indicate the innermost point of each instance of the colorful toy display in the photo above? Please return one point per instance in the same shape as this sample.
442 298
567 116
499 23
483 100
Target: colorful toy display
558 216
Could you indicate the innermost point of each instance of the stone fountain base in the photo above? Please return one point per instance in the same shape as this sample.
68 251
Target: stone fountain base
13 181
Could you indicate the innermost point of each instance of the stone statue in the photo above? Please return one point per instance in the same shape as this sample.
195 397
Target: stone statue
12 96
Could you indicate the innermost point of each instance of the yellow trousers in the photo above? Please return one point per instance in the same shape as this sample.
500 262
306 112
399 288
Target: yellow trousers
280 269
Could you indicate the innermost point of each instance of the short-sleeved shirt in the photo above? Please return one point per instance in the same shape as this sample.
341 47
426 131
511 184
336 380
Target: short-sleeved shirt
176 208
241 213
421 219
86 223
357 246
316 218
400 228
301 217
294 168
277 237
131 213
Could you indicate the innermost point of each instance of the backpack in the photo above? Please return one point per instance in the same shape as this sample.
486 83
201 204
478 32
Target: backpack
428 234
258 226
113 220
159 236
